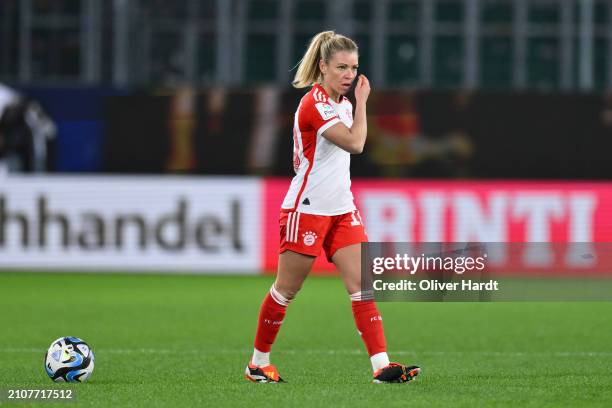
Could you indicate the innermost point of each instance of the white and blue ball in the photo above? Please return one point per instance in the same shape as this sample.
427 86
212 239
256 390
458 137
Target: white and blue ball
69 359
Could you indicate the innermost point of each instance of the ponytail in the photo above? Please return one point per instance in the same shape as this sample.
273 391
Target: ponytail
321 47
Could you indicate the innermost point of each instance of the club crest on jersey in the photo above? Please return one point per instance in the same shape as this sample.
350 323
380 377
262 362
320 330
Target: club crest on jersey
309 238
326 110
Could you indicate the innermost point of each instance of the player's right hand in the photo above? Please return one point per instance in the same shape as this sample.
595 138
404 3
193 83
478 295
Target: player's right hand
362 89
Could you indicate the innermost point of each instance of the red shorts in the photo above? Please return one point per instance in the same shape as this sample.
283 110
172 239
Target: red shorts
308 233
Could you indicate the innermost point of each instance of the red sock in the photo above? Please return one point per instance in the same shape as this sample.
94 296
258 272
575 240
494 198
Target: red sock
369 324
271 315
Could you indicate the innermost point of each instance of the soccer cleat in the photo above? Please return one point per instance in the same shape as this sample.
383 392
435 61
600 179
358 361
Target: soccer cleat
267 374
396 373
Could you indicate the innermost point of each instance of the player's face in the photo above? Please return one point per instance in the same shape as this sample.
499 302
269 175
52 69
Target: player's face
340 71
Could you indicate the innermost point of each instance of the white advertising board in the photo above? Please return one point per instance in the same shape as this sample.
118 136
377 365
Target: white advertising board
167 224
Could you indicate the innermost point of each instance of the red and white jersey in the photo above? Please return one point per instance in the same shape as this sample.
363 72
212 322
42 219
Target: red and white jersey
322 182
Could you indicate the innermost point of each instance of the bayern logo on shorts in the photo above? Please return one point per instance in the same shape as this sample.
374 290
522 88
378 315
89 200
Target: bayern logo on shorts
309 238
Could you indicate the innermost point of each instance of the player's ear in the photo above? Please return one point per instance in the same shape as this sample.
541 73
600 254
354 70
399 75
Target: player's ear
322 66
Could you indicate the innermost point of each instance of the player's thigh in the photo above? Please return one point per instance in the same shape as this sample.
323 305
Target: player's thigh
293 268
348 262
301 237
343 248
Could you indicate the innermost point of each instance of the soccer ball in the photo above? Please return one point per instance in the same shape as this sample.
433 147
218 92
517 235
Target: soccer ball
69 359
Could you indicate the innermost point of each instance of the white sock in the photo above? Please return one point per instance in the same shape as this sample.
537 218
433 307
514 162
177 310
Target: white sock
260 358
278 298
379 361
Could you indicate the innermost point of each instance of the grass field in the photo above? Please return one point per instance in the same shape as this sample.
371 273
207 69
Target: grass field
184 341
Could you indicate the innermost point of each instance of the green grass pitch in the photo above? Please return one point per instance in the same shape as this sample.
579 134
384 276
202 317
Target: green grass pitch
164 340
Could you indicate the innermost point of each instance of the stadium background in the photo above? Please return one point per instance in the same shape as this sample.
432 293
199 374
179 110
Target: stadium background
489 120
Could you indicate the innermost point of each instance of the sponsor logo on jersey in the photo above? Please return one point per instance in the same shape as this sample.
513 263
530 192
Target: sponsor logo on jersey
326 110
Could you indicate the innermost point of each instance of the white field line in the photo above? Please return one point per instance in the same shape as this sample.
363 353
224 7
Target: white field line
332 352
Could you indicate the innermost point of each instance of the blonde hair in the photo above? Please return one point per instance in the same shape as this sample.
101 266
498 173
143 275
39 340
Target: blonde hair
321 47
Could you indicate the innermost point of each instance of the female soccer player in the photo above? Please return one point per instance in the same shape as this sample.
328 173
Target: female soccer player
318 211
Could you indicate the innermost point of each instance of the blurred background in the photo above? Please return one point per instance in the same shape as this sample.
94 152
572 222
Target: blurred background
467 95
457 83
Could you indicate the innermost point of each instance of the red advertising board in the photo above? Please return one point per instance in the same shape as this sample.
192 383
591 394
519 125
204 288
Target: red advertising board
474 211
